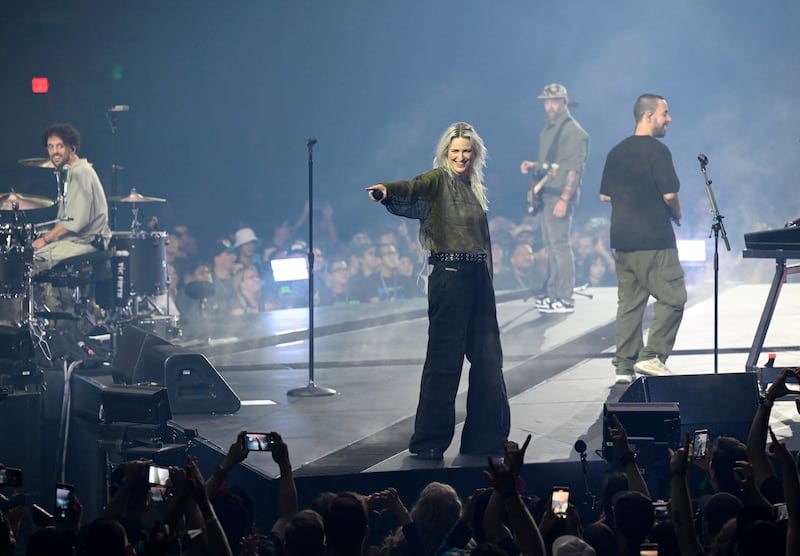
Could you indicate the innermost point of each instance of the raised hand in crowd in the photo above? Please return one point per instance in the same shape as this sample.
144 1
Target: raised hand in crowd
237 453
504 481
129 498
493 524
287 490
745 478
514 455
757 437
619 437
388 502
681 504
791 491
74 514
196 489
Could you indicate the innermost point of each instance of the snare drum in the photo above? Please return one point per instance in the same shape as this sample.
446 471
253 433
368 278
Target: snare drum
139 263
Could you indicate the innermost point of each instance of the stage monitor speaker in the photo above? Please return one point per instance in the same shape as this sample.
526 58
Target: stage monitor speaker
131 344
136 404
722 403
193 384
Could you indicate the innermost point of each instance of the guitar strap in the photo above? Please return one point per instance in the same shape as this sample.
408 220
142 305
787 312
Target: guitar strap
551 152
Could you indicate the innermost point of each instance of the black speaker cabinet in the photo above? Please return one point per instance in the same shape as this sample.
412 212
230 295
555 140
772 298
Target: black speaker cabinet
722 403
135 404
193 384
132 344
659 422
21 445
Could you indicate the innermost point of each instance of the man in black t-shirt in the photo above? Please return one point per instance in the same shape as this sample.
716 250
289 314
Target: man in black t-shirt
639 181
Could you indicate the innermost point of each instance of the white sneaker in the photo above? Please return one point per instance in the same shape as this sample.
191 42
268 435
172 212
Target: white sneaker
651 367
624 378
542 303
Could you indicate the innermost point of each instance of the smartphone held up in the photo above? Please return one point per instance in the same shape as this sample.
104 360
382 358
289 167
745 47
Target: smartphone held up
560 501
258 441
700 443
63 497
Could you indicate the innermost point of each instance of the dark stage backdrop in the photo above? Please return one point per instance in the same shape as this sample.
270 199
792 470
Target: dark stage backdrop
223 97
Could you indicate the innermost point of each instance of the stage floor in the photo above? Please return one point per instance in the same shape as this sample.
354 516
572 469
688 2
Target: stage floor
557 367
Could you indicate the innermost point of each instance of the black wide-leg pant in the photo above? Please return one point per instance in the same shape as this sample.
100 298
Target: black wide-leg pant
462 321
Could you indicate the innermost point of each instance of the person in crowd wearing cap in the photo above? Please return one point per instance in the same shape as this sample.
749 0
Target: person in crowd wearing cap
245 242
223 269
563 148
194 301
82 221
639 181
451 203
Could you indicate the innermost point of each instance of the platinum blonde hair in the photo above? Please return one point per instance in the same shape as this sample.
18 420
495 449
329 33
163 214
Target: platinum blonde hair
465 131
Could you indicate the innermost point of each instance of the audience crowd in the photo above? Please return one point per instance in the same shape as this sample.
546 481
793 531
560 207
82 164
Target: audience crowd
741 507
243 272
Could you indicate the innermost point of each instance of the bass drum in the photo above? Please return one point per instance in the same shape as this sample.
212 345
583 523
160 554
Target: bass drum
14 310
139 263
16 261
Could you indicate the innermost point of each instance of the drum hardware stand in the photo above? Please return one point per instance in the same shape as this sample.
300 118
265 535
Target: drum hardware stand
111 116
136 224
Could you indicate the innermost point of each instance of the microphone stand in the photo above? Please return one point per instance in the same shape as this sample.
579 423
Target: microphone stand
580 447
311 389
115 167
716 228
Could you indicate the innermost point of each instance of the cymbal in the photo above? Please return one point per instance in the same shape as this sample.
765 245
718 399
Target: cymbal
135 197
26 202
36 162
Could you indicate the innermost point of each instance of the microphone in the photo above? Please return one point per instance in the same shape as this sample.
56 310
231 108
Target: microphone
119 108
580 446
376 194
312 141
703 160
86 349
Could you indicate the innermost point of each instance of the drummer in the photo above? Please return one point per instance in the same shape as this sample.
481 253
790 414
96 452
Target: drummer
82 223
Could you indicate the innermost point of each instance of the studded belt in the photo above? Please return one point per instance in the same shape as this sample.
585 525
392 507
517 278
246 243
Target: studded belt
457 257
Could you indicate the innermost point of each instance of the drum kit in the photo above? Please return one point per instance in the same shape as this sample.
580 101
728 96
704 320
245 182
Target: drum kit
118 280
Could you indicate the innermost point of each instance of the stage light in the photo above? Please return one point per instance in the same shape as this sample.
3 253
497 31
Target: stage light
40 85
116 73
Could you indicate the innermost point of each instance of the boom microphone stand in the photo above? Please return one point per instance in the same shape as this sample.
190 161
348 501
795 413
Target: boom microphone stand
716 228
311 389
